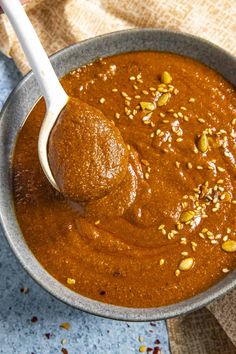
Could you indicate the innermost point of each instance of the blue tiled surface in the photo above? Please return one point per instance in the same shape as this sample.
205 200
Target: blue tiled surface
88 334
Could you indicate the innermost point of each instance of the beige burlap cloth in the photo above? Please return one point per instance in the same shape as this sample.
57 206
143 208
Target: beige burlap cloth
62 22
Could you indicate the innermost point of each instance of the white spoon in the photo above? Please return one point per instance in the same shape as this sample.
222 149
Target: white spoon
54 94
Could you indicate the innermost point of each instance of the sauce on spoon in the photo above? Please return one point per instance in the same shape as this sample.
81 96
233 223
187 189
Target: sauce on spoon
86 152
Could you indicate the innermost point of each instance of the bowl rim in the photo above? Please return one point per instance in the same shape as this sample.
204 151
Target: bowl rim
58 290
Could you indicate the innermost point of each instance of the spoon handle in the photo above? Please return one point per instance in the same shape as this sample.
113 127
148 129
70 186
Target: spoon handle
36 55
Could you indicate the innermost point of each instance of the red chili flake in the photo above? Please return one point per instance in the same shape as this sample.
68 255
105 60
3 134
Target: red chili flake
153 324
34 319
102 292
117 274
24 290
156 350
48 335
149 350
157 341
64 351
151 331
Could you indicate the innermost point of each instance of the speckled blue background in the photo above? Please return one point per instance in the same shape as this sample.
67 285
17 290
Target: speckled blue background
88 334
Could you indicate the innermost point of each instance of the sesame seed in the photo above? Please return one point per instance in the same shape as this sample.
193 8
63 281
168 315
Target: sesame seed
137 97
177 164
97 222
132 78
220 169
177 272
193 245
127 111
225 270
189 165
204 230
114 90
179 226
215 210
210 237
178 140
220 181
184 254
146 175
201 120
146 122
209 167
162 261
102 100
214 242
191 100
117 115
162 226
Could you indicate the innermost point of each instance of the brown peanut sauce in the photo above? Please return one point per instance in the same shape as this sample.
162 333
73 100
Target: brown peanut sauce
87 154
168 230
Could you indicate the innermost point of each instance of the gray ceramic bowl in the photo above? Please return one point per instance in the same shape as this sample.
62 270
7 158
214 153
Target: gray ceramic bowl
20 104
